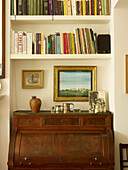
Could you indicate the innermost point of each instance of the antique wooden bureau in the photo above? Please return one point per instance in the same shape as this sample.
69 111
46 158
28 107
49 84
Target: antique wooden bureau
72 141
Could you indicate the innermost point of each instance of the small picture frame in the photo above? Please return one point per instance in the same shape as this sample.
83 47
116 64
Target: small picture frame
97 101
72 83
32 79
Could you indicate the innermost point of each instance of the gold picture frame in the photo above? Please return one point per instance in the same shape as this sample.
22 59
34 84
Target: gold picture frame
72 83
32 79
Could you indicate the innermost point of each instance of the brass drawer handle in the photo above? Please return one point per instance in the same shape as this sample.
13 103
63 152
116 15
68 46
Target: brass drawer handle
26 158
20 163
96 159
30 163
61 121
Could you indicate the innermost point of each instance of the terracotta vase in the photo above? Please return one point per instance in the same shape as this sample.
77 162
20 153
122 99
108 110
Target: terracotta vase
35 104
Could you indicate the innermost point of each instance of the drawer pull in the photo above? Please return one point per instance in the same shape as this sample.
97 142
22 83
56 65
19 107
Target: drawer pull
20 163
30 163
91 163
26 158
61 121
96 159
100 163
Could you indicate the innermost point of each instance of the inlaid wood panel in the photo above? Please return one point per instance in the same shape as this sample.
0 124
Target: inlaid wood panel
28 122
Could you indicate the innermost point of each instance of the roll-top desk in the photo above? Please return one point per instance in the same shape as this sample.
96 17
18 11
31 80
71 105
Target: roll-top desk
72 141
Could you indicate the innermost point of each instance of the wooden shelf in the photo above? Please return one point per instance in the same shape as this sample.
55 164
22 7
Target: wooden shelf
61 57
38 19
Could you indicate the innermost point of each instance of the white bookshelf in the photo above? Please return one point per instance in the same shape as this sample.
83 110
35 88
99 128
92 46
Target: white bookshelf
61 57
60 19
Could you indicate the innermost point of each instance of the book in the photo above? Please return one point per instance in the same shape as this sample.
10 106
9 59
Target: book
34 7
61 43
51 7
108 7
39 43
65 7
28 7
42 7
46 7
95 7
69 9
15 7
20 7
16 43
48 44
42 43
58 51
24 7
38 7
24 43
83 7
20 42
29 43
12 7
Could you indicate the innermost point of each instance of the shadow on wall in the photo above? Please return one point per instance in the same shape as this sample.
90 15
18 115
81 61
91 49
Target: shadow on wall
118 138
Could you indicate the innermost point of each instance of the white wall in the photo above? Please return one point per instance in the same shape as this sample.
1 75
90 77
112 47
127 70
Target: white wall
121 99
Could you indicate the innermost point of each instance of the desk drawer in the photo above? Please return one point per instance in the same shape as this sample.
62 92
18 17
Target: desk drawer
94 121
62 121
28 121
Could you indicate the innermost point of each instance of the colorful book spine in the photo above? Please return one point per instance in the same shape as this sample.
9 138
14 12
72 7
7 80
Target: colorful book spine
58 51
42 43
48 44
28 7
77 41
50 7
108 7
16 43
105 7
73 45
39 43
69 9
24 43
65 7
32 7
15 7
95 7
102 7
20 44
61 43
68 44
83 7
37 40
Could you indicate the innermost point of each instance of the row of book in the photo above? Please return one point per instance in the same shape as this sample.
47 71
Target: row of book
93 7
41 7
28 43
86 41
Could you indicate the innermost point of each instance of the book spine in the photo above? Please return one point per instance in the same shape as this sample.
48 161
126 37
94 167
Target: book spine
58 43
73 47
77 41
83 7
20 46
48 44
39 43
74 7
42 7
105 7
53 44
37 40
69 7
38 7
102 7
75 44
34 43
24 43
95 6
95 42
34 7
20 7
46 7
68 43
88 40
61 43
71 52
92 41
57 7
42 43
51 7
28 6
64 43
65 7
15 7
85 46
16 43
24 7
108 7
53 2
12 7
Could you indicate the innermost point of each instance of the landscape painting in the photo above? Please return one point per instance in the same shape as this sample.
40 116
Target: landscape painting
72 83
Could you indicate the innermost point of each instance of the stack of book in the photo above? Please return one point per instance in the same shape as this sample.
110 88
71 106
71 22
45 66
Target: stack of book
93 7
41 7
86 41
28 43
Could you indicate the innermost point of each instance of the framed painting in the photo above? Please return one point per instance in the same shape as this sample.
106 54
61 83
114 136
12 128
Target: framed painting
32 79
72 83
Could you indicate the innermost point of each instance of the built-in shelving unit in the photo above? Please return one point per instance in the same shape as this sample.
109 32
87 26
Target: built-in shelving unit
62 56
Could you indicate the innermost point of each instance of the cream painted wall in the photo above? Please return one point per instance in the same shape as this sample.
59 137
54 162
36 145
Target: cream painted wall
121 99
